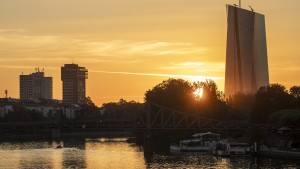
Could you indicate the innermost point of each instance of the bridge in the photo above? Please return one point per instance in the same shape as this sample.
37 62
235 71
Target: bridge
155 117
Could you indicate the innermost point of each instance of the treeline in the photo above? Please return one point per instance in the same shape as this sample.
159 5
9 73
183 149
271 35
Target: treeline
21 114
271 104
90 112
127 108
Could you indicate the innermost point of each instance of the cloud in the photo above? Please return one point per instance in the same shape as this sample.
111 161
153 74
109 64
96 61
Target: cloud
20 44
6 31
123 48
25 67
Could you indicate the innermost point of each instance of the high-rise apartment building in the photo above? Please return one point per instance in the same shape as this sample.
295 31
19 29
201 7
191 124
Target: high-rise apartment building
73 78
246 54
35 86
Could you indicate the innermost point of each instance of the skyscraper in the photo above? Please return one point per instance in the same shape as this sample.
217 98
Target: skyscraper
35 86
73 78
246 54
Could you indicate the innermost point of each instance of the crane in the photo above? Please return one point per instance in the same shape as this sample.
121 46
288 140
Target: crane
251 8
240 4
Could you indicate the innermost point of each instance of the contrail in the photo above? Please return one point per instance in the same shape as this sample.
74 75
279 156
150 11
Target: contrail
199 78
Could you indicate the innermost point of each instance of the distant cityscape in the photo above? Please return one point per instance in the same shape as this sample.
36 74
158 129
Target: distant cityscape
36 92
180 123
246 69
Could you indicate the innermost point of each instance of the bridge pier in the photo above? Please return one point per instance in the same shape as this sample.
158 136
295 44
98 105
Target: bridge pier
55 133
148 143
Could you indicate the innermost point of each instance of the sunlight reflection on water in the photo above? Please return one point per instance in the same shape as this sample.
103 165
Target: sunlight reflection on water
117 153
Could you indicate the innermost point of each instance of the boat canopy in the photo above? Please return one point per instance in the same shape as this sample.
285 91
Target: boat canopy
204 134
190 141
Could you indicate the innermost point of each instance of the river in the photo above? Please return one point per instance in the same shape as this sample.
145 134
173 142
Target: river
110 153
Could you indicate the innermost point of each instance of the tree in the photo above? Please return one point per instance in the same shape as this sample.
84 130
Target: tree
210 89
212 103
178 94
88 110
21 114
270 99
285 117
123 109
173 93
295 91
242 104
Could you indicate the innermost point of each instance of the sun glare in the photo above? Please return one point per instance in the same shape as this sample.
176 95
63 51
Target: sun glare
199 92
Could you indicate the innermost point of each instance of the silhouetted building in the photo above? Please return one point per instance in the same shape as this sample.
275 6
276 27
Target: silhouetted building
246 54
35 86
73 78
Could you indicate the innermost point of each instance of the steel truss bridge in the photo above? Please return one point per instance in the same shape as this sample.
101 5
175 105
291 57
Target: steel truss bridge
155 117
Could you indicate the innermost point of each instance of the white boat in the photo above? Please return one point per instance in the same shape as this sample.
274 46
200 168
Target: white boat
201 142
224 148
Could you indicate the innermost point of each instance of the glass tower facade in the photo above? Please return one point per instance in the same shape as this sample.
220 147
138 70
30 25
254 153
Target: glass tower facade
246 53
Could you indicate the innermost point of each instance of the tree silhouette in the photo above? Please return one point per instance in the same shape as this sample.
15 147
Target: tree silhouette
178 94
270 99
295 91
173 93
20 113
88 111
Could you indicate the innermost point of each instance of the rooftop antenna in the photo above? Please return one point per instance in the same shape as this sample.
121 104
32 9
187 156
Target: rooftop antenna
251 8
6 92
240 3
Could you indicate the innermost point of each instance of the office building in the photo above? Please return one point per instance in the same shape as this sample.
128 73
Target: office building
246 54
73 79
35 86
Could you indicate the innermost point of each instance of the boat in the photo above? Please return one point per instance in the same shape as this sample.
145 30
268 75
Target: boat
222 149
225 148
201 142
240 149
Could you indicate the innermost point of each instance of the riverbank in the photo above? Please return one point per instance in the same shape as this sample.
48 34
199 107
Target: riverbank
17 136
278 152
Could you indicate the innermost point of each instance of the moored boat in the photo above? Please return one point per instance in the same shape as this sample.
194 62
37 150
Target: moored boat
240 149
225 148
201 142
222 149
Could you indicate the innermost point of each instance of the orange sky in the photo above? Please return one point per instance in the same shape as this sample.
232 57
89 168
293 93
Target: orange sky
129 46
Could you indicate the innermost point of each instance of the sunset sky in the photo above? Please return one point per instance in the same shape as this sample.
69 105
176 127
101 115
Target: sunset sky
129 46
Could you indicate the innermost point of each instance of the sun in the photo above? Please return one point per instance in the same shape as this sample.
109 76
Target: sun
198 92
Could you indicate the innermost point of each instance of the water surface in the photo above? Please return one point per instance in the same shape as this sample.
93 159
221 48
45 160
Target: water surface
119 153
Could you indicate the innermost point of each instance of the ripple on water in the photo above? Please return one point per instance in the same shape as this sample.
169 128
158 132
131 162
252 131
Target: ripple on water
118 153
